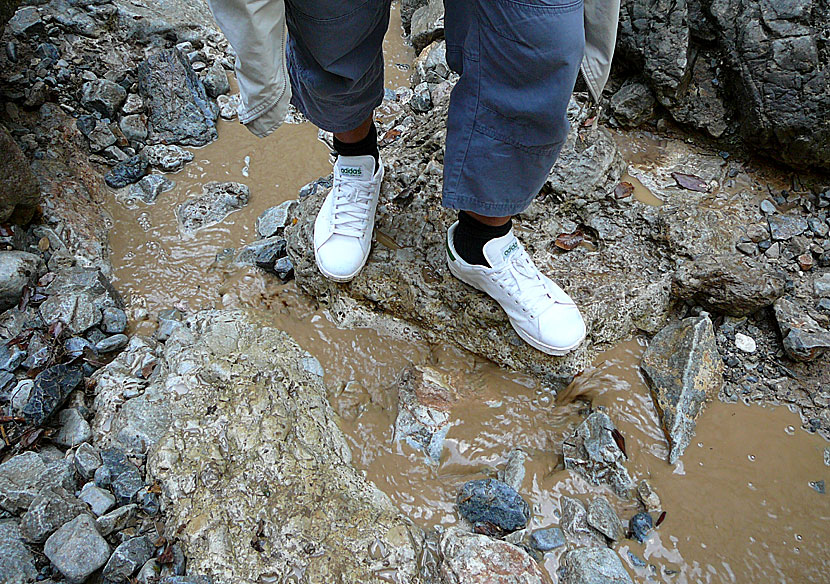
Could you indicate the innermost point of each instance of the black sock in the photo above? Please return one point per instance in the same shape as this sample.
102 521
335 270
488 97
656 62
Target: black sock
471 235
368 146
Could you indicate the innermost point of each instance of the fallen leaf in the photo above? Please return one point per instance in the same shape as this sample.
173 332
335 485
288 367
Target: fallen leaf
569 241
166 557
55 329
147 370
24 298
690 182
620 440
46 279
623 190
43 244
660 519
588 122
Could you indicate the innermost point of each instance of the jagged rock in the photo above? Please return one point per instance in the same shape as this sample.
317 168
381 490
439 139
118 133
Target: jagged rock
284 445
684 371
593 565
97 132
88 281
424 400
17 269
648 496
47 512
632 104
118 474
468 558
113 319
728 283
217 201
99 500
784 227
427 24
273 220
513 473
127 558
25 22
603 518
17 565
494 504
52 387
103 96
593 453
216 80
640 525
573 521
803 338
134 127
127 172
117 519
167 157
545 540
228 105
77 311
431 64
87 460
77 549
73 429
18 481
178 109
19 188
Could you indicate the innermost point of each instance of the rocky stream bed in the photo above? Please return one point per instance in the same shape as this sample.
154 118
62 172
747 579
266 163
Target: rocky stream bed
213 448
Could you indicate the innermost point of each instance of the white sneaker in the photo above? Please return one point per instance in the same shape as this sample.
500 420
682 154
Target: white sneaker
539 310
343 228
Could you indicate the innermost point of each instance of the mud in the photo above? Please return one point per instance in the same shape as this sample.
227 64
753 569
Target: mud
739 506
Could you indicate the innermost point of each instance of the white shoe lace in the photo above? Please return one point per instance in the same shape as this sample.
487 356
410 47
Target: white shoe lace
524 284
351 206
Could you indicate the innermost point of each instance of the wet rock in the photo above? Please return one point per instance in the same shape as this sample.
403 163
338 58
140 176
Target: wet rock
73 429
127 558
117 519
593 453
103 96
150 187
99 500
17 565
49 510
90 281
18 481
424 400
632 104
273 220
603 518
573 521
113 320
77 549
216 80
648 496
228 105
513 473
593 565
134 127
803 338
784 227
493 503
87 460
167 157
178 109
427 24
728 283
113 343
640 525
217 201
77 311
169 321
17 270
284 445
127 172
52 387
818 487
118 474
547 539
468 558
684 370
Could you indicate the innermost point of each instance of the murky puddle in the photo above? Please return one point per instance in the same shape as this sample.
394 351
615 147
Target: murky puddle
739 506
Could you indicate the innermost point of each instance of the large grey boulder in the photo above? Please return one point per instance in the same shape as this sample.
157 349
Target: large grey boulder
17 564
77 549
252 444
468 558
47 512
17 269
684 371
593 565
179 111
19 188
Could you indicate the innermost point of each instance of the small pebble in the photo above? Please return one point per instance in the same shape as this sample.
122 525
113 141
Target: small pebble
768 207
640 525
548 539
745 343
818 486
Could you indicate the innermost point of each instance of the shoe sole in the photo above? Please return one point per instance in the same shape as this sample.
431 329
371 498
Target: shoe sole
342 279
547 349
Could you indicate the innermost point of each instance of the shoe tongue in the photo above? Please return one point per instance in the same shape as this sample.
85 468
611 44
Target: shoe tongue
499 250
355 167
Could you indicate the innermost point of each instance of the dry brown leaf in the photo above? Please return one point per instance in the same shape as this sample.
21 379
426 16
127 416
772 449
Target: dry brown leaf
623 190
569 241
690 182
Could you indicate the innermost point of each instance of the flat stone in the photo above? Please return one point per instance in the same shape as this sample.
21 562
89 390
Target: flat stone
52 387
728 283
87 460
804 338
821 285
745 343
783 227
26 21
76 347
273 220
492 502
99 500
11 357
47 512
17 565
217 201
513 473
77 549
18 481
547 539
20 395
17 270
127 172
73 429
134 127
593 565
603 518
573 521
768 207
594 454
112 343
99 135
633 103
77 311
167 157
117 520
424 400
128 558
468 558
684 370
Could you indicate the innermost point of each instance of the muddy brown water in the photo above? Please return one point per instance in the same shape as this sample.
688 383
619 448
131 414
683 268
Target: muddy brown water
739 505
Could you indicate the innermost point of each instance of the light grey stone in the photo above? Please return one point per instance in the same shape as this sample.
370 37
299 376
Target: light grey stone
273 220
148 190
19 481
17 269
49 510
603 518
112 343
117 519
99 500
468 558
73 429
127 558
77 311
167 157
593 565
593 453
17 565
217 201
87 460
77 549
573 521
